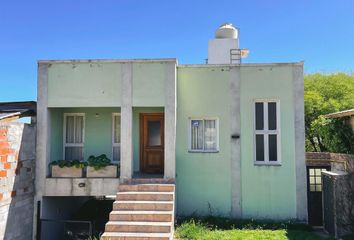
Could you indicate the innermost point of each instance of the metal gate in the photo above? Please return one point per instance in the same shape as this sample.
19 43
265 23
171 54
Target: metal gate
314 195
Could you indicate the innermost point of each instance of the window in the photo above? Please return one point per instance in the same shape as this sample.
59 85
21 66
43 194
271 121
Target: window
203 135
74 128
266 132
116 137
315 180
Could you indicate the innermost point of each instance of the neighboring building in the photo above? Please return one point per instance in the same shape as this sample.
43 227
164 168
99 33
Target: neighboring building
347 115
229 135
17 163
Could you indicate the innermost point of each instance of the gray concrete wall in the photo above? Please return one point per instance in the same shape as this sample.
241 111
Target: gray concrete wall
17 159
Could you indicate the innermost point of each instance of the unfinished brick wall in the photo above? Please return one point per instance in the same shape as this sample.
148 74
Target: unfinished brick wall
17 158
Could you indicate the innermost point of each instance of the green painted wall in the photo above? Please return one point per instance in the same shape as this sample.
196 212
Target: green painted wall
136 132
84 85
149 84
203 179
98 131
99 84
268 191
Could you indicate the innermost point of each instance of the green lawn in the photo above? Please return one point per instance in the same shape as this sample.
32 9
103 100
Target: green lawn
223 229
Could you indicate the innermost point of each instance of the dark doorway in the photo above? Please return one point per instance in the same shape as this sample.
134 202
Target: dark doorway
152 143
314 195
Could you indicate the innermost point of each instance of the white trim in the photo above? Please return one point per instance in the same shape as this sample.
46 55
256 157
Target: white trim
83 134
190 119
113 143
265 132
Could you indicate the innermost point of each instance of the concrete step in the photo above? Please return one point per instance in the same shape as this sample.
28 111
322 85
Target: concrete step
146 188
135 236
143 205
146 196
146 227
142 216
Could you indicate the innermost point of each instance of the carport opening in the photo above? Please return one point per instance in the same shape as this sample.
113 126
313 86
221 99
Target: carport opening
74 217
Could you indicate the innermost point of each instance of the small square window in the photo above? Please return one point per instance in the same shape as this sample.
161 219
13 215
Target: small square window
203 135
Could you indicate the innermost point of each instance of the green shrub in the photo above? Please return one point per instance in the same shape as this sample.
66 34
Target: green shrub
68 163
98 162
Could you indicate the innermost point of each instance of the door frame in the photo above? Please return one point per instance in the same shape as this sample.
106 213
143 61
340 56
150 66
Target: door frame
141 137
311 205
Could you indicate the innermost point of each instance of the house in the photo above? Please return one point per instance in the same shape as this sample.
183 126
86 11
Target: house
226 138
346 115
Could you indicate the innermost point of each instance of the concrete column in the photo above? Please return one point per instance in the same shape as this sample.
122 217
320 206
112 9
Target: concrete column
170 121
236 207
43 137
126 154
301 186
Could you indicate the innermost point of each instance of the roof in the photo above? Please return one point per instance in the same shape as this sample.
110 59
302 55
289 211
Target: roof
345 113
14 110
141 60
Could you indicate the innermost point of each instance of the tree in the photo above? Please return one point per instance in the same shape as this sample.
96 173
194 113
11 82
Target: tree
327 94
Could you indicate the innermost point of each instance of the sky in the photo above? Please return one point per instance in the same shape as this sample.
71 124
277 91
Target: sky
319 32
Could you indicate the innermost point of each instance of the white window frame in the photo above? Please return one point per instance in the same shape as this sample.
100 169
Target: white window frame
190 135
83 134
266 132
113 143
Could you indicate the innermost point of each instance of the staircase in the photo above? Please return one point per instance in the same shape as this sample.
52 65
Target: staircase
142 211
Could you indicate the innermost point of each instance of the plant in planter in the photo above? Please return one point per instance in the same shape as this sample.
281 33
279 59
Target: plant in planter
101 166
67 168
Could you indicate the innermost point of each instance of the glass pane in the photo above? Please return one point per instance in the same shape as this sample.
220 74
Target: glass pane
259 116
79 127
210 135
116 154
69 129
318 180
272 147
312 188
197 135
272 116
259 147
116 130
318 172
74 153
312 171
312 180
154 133
319 188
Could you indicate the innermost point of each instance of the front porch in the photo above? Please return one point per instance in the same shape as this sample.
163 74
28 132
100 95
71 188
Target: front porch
137 147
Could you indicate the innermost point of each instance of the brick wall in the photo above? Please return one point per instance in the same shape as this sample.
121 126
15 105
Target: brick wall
17 158
337 161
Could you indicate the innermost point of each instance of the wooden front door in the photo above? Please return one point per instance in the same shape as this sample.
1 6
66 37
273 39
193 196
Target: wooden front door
152 143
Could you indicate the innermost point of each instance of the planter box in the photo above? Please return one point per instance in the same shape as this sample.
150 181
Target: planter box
66 172
107 172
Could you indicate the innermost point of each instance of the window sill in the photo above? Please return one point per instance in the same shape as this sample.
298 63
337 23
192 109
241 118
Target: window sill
203 151
267 163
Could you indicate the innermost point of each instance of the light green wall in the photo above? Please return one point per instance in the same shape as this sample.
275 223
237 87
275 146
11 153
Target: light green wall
149 84
136 132
84 85
203 179
268 191
100 84
98 131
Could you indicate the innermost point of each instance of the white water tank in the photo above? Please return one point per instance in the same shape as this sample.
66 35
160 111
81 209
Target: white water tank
221 48
226 30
